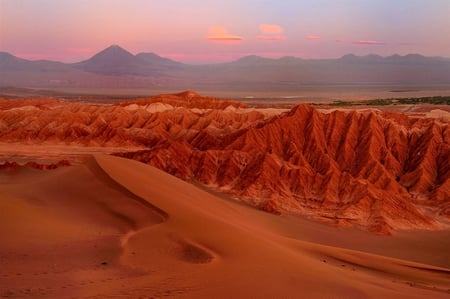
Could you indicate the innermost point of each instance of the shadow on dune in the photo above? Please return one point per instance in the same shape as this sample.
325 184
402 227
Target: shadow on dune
100 174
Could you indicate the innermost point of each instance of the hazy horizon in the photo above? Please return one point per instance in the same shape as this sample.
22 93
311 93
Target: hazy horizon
195 32
217 62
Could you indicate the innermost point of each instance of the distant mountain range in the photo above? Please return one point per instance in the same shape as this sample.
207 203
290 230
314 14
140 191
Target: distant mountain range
117 61
116 67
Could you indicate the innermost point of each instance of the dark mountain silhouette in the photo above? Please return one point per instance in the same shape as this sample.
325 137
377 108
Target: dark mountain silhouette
252 60
114 66
12 63
157 60
116 61
349 69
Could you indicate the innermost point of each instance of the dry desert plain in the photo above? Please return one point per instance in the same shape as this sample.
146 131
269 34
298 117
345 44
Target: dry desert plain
185 196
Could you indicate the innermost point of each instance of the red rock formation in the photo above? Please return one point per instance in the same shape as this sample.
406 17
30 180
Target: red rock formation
41 103
187 99
115 125
375 169
378 170
14 165
9 165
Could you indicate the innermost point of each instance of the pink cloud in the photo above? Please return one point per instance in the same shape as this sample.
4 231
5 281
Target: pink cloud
221 34
271 32
369 42
224 37
312 37
340 40
271 37
270 29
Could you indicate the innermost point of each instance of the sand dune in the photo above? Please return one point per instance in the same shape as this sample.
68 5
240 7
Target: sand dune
114 227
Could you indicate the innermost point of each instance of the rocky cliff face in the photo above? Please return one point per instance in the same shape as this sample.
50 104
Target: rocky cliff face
379 170
374 169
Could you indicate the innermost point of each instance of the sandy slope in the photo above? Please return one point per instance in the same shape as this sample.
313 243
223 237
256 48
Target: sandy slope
118 228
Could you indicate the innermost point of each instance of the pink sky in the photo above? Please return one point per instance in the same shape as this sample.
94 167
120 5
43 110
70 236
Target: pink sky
196 31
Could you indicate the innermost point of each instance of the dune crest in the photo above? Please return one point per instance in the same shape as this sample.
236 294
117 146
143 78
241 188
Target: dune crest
229 232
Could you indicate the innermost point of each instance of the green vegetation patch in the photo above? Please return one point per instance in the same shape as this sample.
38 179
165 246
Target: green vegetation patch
436 100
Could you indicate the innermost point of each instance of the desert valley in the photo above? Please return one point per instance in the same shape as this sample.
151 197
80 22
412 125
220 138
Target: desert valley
184 195
225 149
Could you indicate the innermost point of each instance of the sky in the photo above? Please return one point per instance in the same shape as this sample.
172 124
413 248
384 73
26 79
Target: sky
208 31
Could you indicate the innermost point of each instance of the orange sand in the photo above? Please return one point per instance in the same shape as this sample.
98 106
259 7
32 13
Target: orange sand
114 227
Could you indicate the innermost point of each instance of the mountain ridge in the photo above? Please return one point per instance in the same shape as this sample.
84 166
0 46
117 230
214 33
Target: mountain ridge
115 66
253 56
115 60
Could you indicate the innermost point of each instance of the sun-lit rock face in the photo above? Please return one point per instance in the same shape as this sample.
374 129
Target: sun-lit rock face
374 169
187 99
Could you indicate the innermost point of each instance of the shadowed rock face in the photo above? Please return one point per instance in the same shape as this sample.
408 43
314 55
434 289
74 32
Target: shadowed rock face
14 165
375 169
